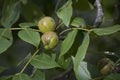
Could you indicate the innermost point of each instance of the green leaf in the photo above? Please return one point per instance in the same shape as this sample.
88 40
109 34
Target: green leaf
68 42
6 39
43 61
83 72
78 22
10 13
113 77
107 30
27 24
81 55
30 36
39 75
21 76
65 12
65 63
31 12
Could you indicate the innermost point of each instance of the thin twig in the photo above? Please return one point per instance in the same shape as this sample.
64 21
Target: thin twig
75 28
16 28
98 78
29 61
59 25
24 29
100 13
65 31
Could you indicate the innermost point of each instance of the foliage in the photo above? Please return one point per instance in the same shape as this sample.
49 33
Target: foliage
80 48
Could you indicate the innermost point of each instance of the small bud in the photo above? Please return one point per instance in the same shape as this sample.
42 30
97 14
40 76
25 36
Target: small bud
107 69
46 24
106 66
49 39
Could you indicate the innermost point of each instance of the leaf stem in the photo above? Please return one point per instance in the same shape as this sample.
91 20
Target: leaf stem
60 24
16 28
23 29
75 28
98 78
29 61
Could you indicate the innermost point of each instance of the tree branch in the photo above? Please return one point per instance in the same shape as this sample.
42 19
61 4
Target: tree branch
100 13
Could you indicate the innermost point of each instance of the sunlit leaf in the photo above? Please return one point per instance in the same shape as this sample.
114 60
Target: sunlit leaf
43 61
6 39
65 12
83 72
81 55
107 30
30 36
67 43
78 22
21 76
10 13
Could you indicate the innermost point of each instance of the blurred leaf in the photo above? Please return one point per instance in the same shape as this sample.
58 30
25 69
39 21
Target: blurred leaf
38 75
113 77
109 8
10 12
2 68
82 5
27 24
6 77
65 13
80 56
107 30
43 61
6 39
24 1
21 76
67 43
31 12
30 36
78 22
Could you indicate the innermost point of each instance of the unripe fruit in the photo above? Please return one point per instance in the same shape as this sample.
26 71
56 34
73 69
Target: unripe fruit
49 39
106 66
107 69
46 24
